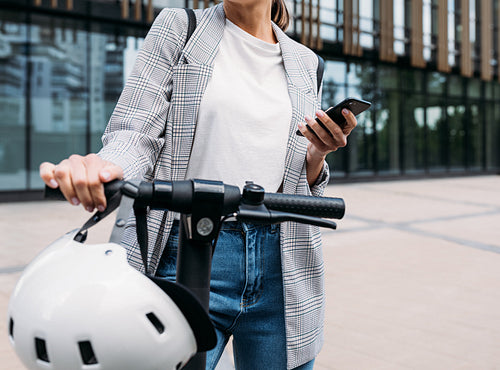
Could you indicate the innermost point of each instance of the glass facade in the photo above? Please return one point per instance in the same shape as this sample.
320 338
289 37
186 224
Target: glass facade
59 82
60 78
421 122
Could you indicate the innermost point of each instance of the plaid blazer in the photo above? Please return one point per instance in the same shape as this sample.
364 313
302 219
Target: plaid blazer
150 135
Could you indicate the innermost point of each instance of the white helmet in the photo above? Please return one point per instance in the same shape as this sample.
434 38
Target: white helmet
82 306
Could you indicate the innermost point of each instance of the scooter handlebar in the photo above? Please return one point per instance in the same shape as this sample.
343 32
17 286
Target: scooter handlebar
175 197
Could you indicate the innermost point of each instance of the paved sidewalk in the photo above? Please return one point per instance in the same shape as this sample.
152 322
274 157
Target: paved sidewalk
413 272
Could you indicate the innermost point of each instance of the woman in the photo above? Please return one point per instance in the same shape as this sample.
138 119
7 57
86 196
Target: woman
226 107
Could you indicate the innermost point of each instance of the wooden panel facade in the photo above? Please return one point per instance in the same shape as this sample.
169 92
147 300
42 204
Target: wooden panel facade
466 66
442 47
417 40
308 14
386 51
351 45
486 39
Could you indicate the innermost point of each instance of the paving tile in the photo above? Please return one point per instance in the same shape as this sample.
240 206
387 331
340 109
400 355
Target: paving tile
410 281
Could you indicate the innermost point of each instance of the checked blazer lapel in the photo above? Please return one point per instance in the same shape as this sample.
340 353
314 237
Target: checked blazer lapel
304 99
190 79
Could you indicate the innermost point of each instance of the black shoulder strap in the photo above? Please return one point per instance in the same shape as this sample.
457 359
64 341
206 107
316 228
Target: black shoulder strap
319 72
142 234
191 23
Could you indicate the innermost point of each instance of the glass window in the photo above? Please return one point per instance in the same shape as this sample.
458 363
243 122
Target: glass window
335 71
413 133
426 28
361 147
59 92
492 138
475 137
387 77
456 134
366 23
455 86
387 127
13 110
436 83
331 21
399 27
437 135
359 74
112 61
332 94
412 80
474 88
452 51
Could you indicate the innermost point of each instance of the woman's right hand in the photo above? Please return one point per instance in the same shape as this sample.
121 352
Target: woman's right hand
81 179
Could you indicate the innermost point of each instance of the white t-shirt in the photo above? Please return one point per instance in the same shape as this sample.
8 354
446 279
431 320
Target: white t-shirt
244 116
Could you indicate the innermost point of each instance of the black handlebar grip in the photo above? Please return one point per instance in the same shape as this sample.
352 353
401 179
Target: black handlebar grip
306 205
53 194
110 189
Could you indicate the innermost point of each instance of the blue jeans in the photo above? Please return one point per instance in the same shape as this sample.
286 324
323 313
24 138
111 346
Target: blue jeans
246 295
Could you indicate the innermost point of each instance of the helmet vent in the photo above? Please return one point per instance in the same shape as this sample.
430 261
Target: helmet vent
87 353
11 328
156 322
41 350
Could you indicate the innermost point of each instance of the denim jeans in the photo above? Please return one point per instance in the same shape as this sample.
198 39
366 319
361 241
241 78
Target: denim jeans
246 295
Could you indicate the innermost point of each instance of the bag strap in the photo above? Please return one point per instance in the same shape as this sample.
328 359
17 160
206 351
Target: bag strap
319 72
191 23
191 27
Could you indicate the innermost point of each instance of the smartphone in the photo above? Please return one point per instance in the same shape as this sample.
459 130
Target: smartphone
356 106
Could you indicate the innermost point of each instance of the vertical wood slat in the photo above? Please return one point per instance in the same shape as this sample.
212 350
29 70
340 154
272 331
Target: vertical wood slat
125 9
138 10
386 16
150 12
465 44
319 40
69 4
351 45
196 4
417 43
38 2
347 45
310 24
303 22
498 46
53 3
442 46
486 39
356 28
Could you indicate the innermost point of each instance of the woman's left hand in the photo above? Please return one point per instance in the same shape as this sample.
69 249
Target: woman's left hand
322 141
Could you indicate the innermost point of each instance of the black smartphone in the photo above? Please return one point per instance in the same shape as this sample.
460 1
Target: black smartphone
356 106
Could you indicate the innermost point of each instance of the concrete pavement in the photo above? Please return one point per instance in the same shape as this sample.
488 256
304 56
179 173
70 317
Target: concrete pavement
413 272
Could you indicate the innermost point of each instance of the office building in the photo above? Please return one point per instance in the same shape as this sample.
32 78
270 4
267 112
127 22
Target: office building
430 67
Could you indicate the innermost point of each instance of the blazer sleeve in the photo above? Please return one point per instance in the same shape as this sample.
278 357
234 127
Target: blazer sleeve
134 135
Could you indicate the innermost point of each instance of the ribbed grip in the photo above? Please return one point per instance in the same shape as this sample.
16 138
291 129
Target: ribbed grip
306 205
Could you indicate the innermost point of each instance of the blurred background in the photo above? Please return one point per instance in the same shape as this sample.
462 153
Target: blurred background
413 271
430 68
